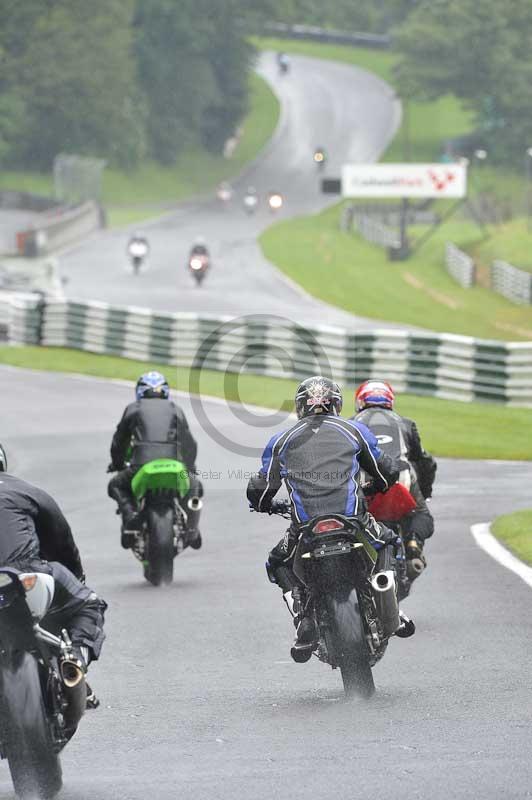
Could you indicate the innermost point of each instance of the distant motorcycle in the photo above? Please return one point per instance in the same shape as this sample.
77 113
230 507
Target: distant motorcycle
251 201
320 158
43 693
283 62
137 249
275 201
198 265
157 487
224 193
354 606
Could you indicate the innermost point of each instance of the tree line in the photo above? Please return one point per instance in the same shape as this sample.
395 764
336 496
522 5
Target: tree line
127 80
479 51
122 79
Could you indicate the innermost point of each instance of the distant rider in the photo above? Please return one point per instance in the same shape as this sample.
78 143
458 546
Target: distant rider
199 248
137 239
399 438
283 62
318 459
35 536
152 427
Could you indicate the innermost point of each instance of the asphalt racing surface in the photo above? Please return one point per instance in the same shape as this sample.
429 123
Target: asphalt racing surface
348 111
200 699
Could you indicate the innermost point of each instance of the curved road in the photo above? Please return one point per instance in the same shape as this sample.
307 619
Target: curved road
200 699
350 112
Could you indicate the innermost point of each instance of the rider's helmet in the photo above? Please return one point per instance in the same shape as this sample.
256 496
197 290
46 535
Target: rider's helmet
3 459
152 384
318 395
374 393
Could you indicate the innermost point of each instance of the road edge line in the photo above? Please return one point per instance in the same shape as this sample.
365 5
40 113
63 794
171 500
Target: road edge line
484 538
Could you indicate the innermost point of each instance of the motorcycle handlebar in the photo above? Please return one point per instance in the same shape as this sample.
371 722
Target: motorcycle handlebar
281 507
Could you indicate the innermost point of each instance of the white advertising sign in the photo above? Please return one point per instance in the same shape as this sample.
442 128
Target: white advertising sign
404 180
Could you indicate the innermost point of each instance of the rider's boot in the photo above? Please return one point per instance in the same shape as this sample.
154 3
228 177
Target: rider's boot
306 634
407 627
130 524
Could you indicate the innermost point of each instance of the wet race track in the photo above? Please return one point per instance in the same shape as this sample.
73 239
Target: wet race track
350 112
200 699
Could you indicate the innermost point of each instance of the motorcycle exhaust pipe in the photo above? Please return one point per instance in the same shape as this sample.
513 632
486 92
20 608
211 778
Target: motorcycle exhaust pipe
75 688
414 568
383 585
195 503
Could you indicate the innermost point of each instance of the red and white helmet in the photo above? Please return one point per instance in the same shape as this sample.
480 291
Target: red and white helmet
374 393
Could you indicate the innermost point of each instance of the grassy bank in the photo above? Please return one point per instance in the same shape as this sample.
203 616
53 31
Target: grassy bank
459 430
515 532
416 292
132 196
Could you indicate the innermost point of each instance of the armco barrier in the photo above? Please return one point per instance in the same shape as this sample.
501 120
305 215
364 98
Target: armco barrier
460 266
59 230
513 283
441 365
312 33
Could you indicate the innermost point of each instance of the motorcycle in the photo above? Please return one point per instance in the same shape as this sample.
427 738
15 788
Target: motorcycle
43 693
275 201
320 158
224 193
157 487
391 508
283 63
353 605
198 265
251 202
138 250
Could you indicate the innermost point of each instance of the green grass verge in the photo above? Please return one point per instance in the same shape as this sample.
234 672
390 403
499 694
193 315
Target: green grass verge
515 532
511 241
345 270
459 430
134 196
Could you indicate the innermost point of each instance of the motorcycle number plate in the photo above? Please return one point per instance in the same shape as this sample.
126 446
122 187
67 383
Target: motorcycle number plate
341 548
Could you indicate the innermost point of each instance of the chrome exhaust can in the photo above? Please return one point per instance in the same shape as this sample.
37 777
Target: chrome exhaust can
384 592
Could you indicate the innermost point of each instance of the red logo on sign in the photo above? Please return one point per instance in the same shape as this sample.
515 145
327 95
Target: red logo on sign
442 179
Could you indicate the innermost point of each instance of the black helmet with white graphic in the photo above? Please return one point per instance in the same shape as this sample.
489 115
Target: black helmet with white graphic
318 395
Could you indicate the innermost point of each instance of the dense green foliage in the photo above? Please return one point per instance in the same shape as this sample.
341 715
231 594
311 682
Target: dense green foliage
378 17
122 79
480 52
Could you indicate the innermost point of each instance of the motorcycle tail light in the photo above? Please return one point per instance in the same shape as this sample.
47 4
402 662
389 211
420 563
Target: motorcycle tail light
326 525
28 581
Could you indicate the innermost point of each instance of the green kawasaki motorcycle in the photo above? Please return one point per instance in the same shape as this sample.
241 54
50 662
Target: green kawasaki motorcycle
158 486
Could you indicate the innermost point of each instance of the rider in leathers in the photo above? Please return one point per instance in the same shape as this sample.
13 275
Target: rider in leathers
318 459
35 536
152 427
399 437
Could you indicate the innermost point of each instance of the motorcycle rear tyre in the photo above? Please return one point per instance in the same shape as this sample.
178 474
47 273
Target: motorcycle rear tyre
161 550
35 767
350 644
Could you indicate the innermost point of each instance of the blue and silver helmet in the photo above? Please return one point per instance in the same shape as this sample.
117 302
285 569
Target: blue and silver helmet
152 384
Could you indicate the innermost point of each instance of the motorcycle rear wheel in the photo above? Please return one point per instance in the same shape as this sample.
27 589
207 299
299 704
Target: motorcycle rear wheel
350 644
34 765
160 546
